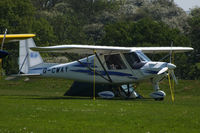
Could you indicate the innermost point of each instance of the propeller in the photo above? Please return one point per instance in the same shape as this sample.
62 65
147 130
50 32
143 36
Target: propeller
171 72
170 69
171 88
3 54
173 76
163 70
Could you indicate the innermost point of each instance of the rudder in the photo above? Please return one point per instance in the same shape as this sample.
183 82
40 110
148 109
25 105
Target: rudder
27 57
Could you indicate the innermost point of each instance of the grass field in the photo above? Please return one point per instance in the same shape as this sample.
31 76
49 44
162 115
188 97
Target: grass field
37 106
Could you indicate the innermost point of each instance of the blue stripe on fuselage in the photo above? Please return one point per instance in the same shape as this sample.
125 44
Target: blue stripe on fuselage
102 72
150 72
85 64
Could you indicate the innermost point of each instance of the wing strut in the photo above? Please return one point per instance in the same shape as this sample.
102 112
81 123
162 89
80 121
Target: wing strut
109 79
94 78
23 63
96 72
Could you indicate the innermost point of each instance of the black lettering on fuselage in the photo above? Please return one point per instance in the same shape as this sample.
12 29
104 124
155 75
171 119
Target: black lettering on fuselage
58 70
53 70
62 69
45 70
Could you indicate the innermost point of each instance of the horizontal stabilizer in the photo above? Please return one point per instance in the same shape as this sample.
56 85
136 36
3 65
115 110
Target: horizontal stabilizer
15 76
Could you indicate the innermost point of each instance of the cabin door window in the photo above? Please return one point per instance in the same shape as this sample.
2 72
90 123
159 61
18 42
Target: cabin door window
114 62
133 60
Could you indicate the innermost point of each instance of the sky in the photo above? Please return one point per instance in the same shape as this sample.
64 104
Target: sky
187 4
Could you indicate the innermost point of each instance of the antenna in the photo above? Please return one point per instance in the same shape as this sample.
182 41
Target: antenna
3 39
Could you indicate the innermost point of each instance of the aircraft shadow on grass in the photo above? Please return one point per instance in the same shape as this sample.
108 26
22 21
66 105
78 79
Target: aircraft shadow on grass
86 98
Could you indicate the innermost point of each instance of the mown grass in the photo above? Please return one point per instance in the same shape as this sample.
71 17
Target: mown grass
39 106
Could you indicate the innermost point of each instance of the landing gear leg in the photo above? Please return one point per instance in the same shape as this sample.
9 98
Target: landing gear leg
135 86
156 86
128 91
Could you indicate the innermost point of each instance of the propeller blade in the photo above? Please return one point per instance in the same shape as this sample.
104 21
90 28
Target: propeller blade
174 77
170 54
170 87
163 70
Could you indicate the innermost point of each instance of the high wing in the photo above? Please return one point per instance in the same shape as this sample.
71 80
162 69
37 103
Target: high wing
155 50
89 49
81 49
15 37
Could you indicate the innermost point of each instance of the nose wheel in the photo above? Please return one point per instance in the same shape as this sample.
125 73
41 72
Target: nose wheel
158 95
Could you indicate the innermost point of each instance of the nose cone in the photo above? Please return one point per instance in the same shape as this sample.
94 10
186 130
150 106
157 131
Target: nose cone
171 66
3 54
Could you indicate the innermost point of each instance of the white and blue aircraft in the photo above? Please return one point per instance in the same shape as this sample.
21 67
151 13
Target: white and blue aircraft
106 65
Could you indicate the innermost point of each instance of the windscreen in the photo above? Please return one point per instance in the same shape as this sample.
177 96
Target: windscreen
142 56
136 59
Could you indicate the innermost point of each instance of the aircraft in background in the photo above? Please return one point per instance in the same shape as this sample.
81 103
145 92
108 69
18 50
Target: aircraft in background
119 66
11 38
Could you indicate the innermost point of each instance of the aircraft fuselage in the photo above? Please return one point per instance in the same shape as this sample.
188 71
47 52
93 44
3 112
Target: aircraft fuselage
115 69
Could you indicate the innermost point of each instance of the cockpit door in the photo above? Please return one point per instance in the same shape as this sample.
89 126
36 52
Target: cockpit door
115 62
117 68
134 62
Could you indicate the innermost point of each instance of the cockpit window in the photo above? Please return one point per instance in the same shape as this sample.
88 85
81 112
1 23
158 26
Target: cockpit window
135 60
114 62
142 56
132 59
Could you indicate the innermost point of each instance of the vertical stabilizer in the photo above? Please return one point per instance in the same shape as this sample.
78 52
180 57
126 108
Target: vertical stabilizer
27 57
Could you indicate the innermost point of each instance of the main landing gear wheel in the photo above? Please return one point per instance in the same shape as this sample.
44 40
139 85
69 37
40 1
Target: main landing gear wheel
128 91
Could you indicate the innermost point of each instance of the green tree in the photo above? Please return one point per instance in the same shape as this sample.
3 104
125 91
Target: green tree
19 16
16 16
44 32
145 32
68 29
194 35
